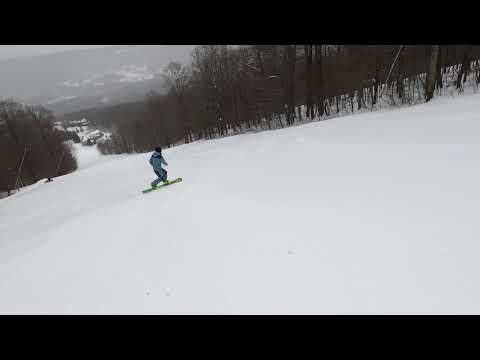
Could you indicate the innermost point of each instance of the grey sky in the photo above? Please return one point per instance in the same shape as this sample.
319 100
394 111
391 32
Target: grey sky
9 51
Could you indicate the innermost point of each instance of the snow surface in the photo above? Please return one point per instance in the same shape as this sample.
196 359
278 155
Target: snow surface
375 213
88 156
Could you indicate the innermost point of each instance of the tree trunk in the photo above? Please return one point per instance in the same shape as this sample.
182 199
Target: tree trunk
465 66
308 82
289 66
235 106
439 82
260 61
431 72
319 80
377 77
400 77
291 75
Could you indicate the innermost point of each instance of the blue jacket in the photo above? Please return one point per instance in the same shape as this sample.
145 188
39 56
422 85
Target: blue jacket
156 160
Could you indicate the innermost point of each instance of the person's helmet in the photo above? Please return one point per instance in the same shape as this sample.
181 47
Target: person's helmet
158 149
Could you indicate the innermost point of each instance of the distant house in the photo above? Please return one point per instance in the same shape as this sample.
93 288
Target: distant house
96 134
83 122
88 141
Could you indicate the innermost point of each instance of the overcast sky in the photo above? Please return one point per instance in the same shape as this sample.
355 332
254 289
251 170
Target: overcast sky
9 51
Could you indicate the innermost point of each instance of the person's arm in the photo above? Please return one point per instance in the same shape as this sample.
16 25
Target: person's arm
163 161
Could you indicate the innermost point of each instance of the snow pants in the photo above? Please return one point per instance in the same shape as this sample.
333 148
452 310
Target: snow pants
162 176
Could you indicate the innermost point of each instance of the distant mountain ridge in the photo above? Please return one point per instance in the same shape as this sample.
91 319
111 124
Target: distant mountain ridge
77 79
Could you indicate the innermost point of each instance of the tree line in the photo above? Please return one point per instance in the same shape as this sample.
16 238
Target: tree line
31 148
232 89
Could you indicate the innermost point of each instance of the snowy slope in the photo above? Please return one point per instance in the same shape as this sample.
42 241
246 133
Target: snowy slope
370 213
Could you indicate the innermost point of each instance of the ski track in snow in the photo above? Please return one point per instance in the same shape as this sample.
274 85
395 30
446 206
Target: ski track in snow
372 213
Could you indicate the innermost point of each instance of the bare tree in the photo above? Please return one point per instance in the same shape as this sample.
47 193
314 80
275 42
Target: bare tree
28 144
465 66
177 78
431 72
308 49
319 81
233 89
290 55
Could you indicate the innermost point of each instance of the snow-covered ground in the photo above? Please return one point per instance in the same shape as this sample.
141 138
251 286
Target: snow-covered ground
88 156
370 213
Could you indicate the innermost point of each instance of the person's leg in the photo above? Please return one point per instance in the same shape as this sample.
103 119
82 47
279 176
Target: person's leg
165 175
157 181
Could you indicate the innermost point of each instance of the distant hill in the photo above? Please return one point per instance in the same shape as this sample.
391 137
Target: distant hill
104 117
74 80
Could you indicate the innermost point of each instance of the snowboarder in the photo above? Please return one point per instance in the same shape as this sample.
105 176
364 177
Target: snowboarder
156 160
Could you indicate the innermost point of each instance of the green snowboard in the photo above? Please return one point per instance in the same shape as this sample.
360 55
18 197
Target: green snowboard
161 186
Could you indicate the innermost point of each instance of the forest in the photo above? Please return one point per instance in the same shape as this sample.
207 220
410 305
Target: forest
232 89
31 147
